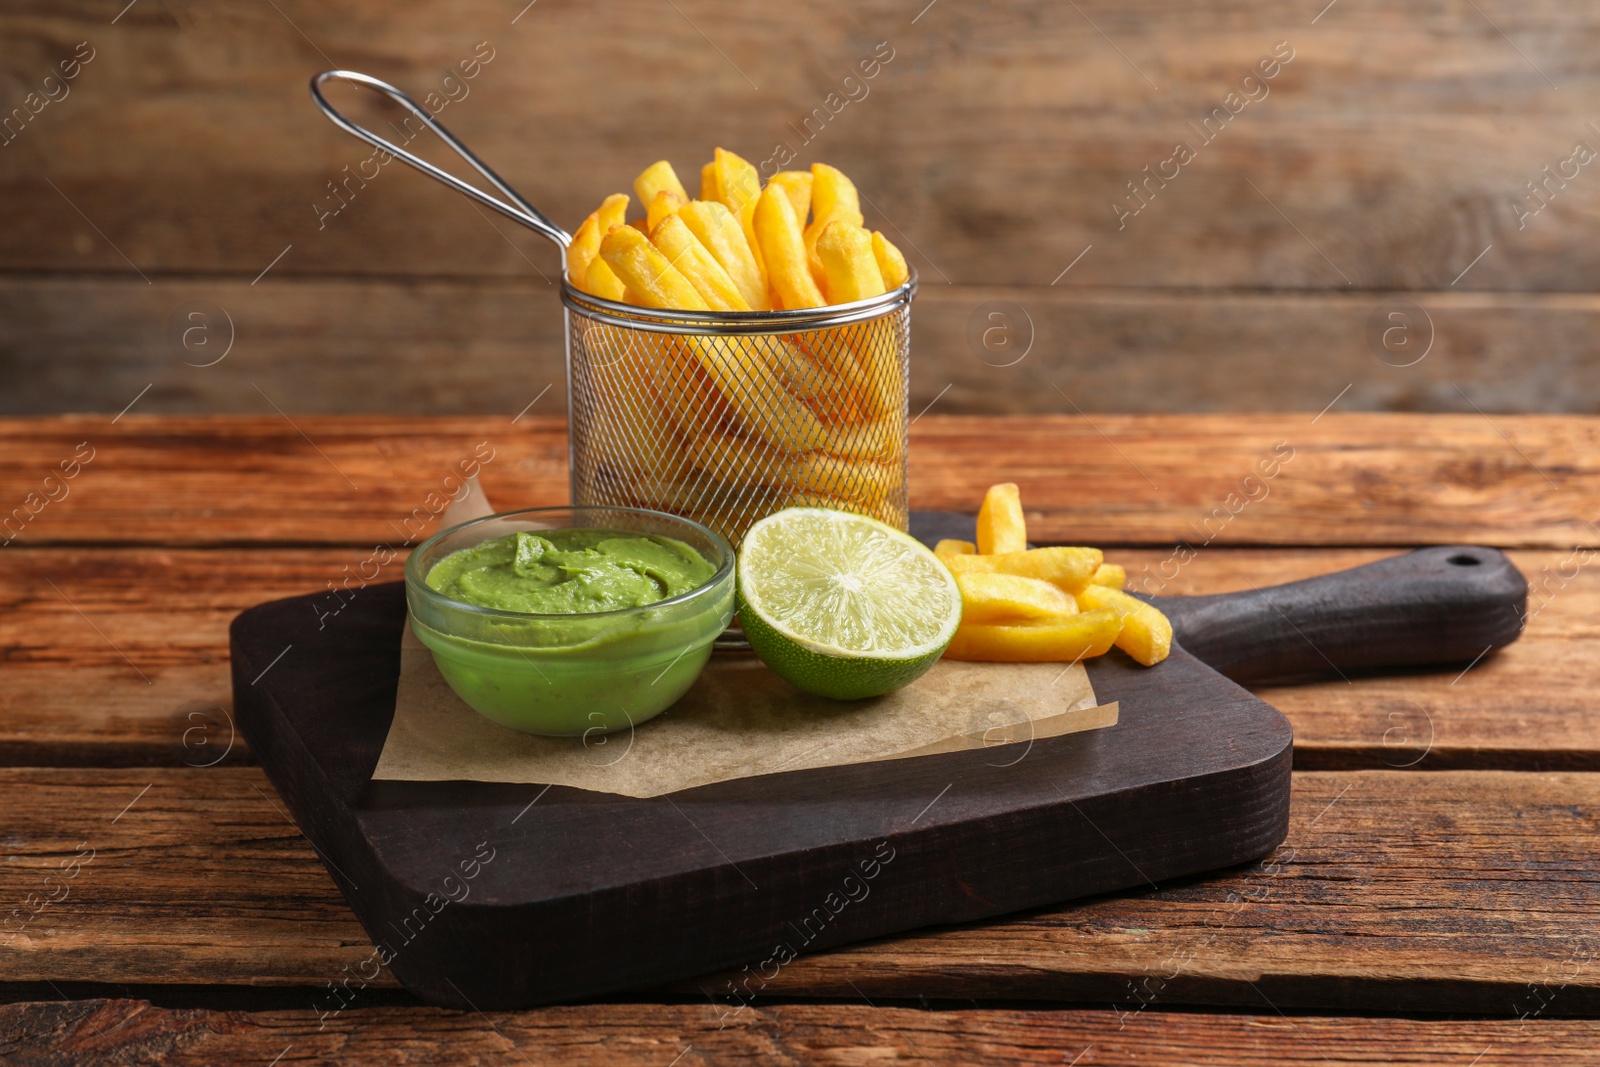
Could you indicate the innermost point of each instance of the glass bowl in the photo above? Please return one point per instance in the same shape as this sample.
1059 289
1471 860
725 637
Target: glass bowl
571 674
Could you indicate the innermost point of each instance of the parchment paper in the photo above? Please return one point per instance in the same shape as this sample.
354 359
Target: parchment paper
738 720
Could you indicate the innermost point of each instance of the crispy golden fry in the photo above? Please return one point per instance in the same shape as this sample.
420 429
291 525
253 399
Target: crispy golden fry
688 391
738 183
716 229
708 183
1001 527
645 271
613 212
1110 574
808 377
1068 569
778 233
891 264
797 185
1146 633
847 262
603 282
1067 640
948 547
740 459
685 252
658 177
1009 598
764 408
739 188
666 203
833 196
582 251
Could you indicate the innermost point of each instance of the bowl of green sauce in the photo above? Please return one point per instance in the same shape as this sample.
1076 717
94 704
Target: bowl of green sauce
571 621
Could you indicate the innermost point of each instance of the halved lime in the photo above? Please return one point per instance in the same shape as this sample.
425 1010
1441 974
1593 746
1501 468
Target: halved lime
842 605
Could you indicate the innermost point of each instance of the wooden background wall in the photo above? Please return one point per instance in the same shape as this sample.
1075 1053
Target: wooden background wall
1378 175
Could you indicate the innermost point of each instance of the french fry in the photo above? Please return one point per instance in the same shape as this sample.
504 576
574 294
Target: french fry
738 182
1009 598
658 177
950 547
613 212
796 184
1110 574
690 393
716 228
847 262
645 271
778 233
1001 527
708 183
739 189
603 282
969 563
891 264
1067 640
809 378
765 409
666 203
731 456
1146 633
1068 569
685 252
833 196
582 251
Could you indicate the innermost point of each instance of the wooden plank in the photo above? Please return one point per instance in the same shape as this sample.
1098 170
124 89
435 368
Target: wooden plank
996 140
1511 481
121 1032
489 346
68 697
1452 891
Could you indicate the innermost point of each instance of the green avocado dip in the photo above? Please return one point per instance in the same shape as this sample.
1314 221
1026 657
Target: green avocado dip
570 572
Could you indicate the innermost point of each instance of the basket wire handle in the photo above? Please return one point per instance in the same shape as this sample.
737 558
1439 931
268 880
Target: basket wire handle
519 210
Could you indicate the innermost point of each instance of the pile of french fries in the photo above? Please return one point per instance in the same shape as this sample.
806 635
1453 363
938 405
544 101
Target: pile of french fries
1026 605
739 247
755 423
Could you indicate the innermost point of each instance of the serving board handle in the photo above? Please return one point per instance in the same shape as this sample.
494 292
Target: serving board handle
1443 605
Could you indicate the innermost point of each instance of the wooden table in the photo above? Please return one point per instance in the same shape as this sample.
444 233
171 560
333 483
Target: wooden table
1438 897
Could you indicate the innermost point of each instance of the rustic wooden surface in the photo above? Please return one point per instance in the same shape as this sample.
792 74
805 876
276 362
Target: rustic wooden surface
1342 479
1383 163
1439 863
1429 892
130 1032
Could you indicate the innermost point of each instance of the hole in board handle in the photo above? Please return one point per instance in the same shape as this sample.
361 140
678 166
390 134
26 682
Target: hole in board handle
1461 559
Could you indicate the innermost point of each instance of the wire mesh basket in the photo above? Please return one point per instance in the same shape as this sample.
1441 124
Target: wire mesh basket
721 417
727 417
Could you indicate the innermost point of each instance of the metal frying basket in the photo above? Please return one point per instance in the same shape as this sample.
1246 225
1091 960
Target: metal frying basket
721 417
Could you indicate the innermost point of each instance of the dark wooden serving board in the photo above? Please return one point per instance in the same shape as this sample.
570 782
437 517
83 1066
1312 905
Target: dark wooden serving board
573 894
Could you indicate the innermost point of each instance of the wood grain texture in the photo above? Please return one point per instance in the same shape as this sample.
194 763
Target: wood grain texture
1452 891
488 346
131 1032
996 139
68 697
1372 479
